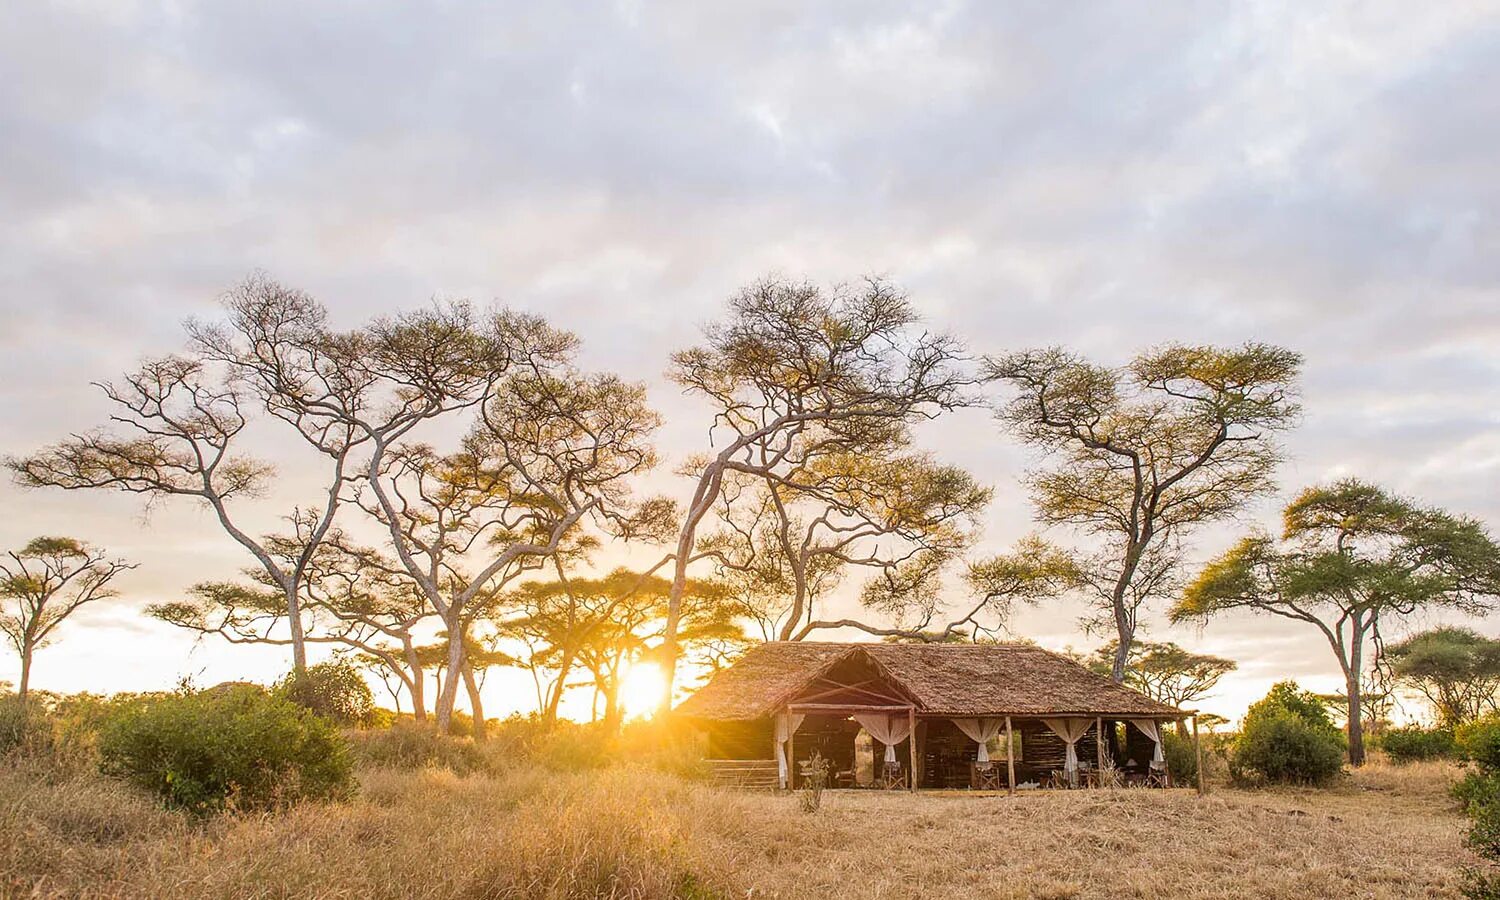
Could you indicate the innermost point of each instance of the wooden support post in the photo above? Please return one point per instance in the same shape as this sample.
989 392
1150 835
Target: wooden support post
1099 744
776 752
791 758
1010 759
1198 755
911 748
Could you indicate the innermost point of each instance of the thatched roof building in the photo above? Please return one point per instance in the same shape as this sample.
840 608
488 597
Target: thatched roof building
936 709
939 679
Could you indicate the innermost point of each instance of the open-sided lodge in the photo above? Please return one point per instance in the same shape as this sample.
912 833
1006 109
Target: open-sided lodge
970 715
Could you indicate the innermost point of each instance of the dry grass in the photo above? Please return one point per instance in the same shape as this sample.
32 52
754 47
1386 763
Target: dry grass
625 833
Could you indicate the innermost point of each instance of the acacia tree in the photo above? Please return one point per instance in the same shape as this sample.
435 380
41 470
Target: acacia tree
1143 454
43 584
794 372
552 448
178 422
600 627
1457 670
354 599
1352 557
1165 672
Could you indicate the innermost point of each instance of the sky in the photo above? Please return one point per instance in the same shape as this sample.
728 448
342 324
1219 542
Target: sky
1104 176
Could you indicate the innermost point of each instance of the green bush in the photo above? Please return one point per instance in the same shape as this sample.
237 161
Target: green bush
1282 748
1182 760
414 745
1479 741
1404 745
334 690
230 747
1287 737
1286 696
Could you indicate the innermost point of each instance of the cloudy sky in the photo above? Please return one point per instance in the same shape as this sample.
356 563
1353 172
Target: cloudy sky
1105 176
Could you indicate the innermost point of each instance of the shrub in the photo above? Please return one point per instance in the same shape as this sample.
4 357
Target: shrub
1477 789
1182 761
810 796
234 746
20 725
59 732
1479 742
1404 745
334 690
1287 737
1286 696
414 745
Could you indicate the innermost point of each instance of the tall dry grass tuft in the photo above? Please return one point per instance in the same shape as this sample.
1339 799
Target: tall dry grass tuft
1422 778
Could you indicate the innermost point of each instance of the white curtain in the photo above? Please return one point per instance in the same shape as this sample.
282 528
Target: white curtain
786 726
1152 729
1070 730
981 732
887 729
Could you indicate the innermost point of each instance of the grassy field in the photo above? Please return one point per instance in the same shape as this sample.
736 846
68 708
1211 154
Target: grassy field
1384 832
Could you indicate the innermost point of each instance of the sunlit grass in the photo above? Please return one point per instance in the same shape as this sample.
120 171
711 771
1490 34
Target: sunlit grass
629 832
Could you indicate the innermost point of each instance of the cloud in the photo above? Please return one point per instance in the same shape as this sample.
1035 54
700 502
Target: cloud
1325 179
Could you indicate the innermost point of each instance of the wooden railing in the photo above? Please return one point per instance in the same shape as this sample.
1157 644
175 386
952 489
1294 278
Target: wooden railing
758 774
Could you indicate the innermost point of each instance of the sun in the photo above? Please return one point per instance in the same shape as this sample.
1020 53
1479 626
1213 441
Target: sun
641 690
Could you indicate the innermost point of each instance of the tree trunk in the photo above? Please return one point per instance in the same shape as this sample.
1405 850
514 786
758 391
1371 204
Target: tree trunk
448 696
668 648
613 714
554 698
418 684
703 498
25 684
1124 628
476 705
1353 689
799 604
1122 652
299 640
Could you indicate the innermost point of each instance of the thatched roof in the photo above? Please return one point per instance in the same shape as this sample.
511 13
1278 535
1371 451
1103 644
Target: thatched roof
945 679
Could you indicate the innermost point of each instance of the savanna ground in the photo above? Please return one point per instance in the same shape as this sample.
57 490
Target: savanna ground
625 832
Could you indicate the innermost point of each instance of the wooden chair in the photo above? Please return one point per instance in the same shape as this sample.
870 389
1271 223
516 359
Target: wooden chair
891 778
986 776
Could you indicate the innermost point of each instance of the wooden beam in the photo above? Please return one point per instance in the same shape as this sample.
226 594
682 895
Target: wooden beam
851 707
1198 755
911 747
1010 759
823 687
